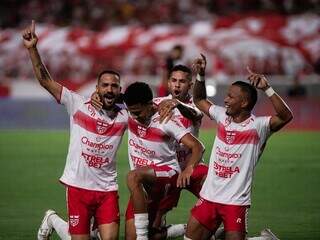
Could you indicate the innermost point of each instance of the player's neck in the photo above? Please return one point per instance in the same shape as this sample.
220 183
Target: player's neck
112 111
148 120
242 116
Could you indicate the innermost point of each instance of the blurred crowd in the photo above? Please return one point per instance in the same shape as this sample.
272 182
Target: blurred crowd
101 14
79 38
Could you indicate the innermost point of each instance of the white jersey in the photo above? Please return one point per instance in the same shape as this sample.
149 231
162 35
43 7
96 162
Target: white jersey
154 145
235 153
94 141
183 152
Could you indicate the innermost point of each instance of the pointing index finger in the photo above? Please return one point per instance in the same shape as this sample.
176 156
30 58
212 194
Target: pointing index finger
33 27
249 70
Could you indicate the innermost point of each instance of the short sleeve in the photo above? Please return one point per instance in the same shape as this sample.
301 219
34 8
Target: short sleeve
175 129
263 127
217 113
71 100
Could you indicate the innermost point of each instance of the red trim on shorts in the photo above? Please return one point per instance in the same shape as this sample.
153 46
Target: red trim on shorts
93 125
237 137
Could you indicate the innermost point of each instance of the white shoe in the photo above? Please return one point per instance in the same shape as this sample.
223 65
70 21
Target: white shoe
45 229
270 235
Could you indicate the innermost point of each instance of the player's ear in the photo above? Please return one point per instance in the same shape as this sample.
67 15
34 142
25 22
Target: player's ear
244 103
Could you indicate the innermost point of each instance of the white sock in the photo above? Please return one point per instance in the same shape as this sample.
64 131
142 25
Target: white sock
176 230
141 223
60 226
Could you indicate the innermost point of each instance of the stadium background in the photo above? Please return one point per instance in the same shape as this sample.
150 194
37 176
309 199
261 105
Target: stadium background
79 38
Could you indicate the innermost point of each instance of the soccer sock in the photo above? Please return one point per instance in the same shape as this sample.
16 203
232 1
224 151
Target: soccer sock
60 226
176 230
141 223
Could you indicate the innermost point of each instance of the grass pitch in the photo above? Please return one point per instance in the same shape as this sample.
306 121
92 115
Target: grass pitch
285 196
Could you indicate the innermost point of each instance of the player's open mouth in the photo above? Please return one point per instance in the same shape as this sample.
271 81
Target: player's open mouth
176 92
109 99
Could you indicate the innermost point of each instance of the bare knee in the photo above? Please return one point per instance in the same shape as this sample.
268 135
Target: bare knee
130 230
109 231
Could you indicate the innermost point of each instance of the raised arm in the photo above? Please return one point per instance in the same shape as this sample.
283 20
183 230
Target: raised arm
166 110
199 88
30 40
283 112
197 150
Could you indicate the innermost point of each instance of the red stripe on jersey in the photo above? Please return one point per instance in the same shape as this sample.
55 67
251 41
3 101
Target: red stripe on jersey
185 121
237 137
98 127
148 133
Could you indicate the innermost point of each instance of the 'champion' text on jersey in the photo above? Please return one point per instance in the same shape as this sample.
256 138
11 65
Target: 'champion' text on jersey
94 141
154 144
236 150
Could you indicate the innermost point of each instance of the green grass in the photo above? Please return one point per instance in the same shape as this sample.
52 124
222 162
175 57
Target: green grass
285 195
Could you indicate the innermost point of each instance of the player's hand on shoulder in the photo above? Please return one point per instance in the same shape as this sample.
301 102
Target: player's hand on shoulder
166 108
29 36
184 177
199 65
259 81
96 101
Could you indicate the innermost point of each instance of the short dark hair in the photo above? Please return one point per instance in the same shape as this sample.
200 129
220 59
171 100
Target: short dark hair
250 91
138 93
181 68
178 47
108 71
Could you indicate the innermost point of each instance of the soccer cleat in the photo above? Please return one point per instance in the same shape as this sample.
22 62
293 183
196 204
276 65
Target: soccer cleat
45 229
268 234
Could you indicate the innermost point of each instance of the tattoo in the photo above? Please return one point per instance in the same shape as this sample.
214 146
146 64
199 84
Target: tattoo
44 75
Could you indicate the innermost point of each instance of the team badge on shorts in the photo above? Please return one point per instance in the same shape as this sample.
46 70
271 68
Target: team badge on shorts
142 131
74 220
101 126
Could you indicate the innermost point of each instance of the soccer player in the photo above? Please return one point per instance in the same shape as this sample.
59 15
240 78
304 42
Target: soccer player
179 85
239 142
153 161
90 171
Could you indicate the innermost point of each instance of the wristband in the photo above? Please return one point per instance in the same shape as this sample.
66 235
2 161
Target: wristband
269 91
200 78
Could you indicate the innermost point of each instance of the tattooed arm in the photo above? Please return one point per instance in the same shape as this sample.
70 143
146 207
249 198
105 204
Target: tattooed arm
30 40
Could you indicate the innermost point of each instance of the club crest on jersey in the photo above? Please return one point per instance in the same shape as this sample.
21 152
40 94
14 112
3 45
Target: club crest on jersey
74 220
101 126
230 137
142 132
